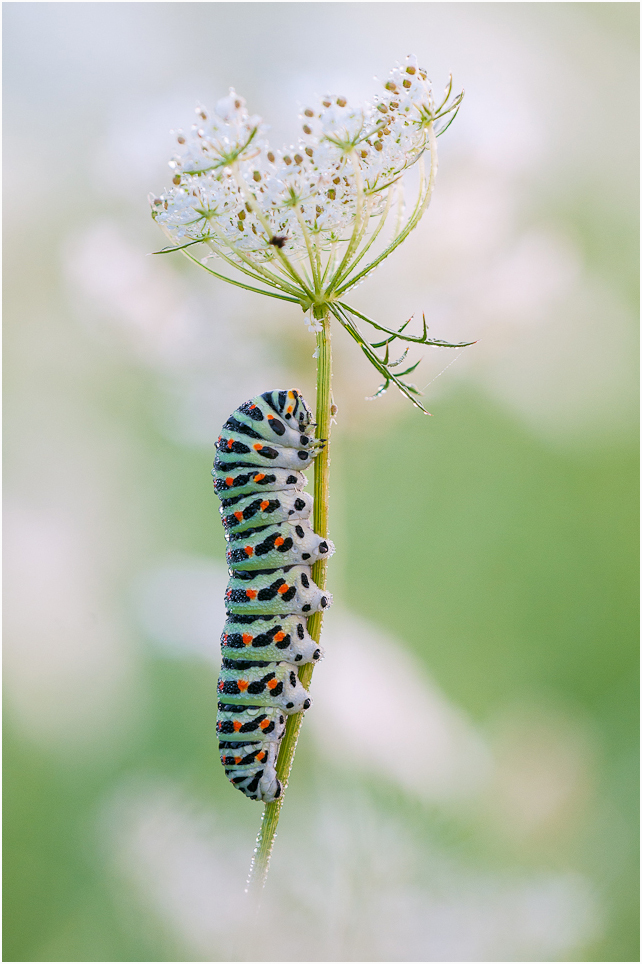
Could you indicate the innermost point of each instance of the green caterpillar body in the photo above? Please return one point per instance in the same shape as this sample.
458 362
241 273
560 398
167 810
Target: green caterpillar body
261 451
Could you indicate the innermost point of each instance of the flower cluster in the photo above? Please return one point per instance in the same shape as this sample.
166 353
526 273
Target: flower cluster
325 200
246 199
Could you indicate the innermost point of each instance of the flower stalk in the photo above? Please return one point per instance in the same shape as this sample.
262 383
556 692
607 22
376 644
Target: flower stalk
272 811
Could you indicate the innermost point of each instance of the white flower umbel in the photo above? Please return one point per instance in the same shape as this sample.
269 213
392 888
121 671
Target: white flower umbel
302 221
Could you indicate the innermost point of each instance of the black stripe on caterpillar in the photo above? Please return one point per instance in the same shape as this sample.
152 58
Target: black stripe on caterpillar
257 474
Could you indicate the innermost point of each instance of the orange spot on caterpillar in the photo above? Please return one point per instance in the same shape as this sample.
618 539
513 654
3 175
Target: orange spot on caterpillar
259 476
242 685
283 588
251 593
289 408
220 686
264 724
278 637
257 446
237 759
270 417
247 639
237 725
249 551
230 443
229 480
279 541
264 505
271 683
238 515
252 406
260 756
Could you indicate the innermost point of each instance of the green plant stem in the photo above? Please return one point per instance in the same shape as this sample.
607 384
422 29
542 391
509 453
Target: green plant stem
272 811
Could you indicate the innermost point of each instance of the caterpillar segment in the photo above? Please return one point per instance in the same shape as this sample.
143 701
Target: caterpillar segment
235 449
274 638
269 508
261 452
275 591
253 722
278 545
276 684
252 768
255 732
246 481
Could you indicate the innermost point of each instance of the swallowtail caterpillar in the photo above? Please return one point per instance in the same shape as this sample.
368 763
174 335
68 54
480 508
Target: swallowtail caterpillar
261 451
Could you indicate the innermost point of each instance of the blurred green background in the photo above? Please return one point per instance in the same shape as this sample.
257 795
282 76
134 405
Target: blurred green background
465 787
